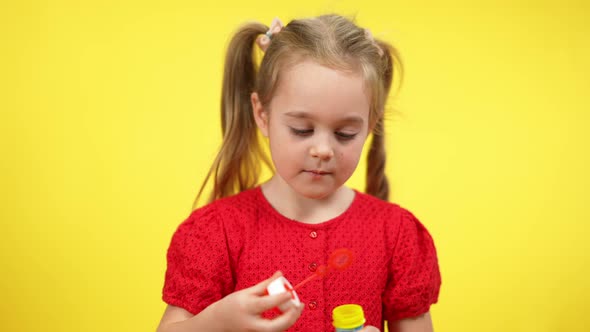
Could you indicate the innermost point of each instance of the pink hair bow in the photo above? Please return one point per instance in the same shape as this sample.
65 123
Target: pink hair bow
264 40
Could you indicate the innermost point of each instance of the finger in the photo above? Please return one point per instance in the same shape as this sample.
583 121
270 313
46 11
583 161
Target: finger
260 288
265 303
370 329
282 322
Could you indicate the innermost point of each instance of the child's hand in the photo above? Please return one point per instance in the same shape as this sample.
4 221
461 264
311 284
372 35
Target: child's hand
241 311
370 329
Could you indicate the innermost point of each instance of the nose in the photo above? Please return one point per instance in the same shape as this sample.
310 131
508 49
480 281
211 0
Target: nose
321 149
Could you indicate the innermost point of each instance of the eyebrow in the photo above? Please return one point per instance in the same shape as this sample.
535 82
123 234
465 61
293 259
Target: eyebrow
353 119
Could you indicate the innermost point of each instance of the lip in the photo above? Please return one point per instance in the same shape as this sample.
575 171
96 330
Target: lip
317 172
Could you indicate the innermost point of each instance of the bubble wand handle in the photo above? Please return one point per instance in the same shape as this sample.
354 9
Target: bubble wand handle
308 279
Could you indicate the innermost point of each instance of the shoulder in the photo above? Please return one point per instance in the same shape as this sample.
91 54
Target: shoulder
223 212
244 201
373 207
217 222
396 221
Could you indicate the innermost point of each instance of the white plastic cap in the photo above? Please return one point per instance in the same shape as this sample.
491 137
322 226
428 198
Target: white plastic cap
281 285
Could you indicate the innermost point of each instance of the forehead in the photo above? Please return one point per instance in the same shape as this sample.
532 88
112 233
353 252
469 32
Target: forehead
312 90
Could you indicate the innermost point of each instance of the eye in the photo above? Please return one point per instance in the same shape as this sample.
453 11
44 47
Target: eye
301 132
344 136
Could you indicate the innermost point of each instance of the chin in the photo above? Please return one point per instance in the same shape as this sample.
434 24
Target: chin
314 194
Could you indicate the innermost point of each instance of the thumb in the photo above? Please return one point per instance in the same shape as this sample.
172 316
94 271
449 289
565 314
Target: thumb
370 329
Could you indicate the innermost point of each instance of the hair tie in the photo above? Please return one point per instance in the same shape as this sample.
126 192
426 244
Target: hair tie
264 40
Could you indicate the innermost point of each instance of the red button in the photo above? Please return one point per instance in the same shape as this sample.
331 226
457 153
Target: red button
312 305
313 235
312 267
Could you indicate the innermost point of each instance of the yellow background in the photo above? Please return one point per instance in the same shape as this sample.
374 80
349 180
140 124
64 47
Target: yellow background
109 120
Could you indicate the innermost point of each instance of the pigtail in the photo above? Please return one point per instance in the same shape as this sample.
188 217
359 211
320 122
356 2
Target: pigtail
377 183
392 66
237 164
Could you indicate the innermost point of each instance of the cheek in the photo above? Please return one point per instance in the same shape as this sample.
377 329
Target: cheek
281 142
350 155
285 150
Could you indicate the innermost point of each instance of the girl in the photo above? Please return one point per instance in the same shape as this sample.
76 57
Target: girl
319 91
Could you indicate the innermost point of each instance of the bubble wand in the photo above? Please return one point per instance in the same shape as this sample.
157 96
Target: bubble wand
340 259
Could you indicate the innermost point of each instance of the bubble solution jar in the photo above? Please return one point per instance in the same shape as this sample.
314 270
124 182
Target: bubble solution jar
348 318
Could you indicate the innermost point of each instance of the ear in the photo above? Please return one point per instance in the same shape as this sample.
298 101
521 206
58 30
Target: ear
260 115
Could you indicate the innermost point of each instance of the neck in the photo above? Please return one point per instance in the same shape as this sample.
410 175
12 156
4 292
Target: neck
294 206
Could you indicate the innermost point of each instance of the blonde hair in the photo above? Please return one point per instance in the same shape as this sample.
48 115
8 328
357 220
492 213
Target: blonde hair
330 40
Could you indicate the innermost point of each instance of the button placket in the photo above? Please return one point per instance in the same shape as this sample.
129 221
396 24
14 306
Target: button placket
314 246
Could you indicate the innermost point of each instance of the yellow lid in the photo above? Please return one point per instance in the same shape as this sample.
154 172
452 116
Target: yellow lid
348 316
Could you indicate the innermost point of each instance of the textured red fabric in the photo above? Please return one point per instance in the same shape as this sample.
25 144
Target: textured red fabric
236 242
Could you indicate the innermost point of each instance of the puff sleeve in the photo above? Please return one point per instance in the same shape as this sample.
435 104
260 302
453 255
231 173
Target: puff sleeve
198 266
414 277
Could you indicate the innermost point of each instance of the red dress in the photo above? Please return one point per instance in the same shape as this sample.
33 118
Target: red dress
238 241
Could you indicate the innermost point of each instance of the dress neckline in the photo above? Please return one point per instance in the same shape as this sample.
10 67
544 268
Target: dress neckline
329 222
